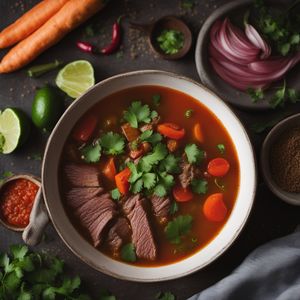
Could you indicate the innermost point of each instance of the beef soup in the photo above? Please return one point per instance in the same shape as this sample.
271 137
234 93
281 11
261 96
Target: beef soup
149 176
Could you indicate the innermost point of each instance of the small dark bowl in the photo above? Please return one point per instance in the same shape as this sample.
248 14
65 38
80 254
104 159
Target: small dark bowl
9 179
274 134
235 10
170 22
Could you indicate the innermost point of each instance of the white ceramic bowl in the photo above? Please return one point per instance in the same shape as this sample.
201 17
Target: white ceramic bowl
209 253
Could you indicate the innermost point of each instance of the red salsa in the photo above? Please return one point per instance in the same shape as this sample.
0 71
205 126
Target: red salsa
17 200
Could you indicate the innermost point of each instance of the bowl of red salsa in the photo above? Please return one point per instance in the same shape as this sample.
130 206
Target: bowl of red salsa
17 195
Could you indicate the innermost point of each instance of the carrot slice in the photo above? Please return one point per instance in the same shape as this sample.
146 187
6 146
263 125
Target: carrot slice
30 22
109 169
218 167
198 133
85 128
214 208
171 130
70 16
122 181
181 194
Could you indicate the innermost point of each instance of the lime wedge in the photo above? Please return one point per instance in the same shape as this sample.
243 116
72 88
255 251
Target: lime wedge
76 78
14 129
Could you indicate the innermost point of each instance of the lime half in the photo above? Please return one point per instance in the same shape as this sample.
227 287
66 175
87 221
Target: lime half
14 129
76 78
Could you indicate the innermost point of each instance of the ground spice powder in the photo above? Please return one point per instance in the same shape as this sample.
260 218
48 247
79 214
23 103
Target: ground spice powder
285 160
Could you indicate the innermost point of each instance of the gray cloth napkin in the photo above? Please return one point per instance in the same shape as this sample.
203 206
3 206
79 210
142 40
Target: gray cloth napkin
271 272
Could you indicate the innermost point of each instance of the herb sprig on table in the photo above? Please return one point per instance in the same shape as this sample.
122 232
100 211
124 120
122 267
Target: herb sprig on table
280 27
31 275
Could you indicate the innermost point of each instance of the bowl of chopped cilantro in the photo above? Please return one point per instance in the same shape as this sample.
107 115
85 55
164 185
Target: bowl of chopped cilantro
170 37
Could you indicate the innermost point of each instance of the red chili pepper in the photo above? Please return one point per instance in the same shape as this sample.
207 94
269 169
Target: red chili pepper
86 47
115 40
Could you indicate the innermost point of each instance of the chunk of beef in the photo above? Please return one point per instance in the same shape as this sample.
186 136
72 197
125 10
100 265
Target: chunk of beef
187 174
161 207
95 215
151 125
82 175
76 197
118 234
130 133
142 236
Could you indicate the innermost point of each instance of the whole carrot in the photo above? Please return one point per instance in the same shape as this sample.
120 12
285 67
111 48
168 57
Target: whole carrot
71 15
30 22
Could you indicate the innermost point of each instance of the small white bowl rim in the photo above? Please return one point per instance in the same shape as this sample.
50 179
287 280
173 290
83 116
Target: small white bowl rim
235 233
264 162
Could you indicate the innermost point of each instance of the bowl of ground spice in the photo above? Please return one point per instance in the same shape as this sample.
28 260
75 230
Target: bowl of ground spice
280 160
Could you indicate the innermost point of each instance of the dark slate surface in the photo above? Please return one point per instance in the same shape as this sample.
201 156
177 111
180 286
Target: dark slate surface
270 217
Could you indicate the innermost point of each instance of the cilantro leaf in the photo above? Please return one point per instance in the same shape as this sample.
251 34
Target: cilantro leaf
112 143
106 295
134 173
149 180
160 190
293 95
159 153
137 113
174 208
170 164
194 154
128 253
177 228
91 153
199 186
137 186
255 95
221 148
154 139
145 135
164 296
115 194
156 99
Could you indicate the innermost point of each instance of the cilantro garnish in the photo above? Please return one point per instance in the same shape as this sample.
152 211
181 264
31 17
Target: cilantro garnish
5 175
137 113
128 253
149 180
194 154
164 296
281 28
199 186
137 186
174 208
112 143
170 164
115 194
170 41
177 228
156 99
255 94
91 153
221 148
159 153
31 275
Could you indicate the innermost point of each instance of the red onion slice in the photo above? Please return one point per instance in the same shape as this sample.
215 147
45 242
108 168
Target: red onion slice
257 40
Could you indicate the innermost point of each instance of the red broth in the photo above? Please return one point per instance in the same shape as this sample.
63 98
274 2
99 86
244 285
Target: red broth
172 108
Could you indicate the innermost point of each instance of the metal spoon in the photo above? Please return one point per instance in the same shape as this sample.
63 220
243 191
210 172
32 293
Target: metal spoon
154 29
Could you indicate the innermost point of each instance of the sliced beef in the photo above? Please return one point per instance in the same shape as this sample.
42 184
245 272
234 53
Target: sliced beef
76 197
161 207
118 234
151 125
187 174
95 214
142 236
82 175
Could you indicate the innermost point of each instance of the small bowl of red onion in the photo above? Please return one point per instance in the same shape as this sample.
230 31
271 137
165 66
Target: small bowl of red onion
236 61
